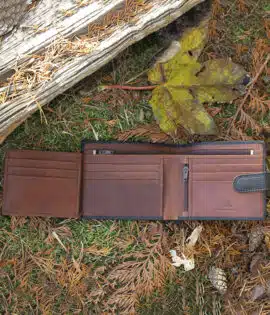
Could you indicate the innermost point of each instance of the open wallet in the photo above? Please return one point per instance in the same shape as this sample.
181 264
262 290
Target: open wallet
112 180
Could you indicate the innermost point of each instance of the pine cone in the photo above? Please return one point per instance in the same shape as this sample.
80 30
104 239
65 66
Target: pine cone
256 236
11 12
218 279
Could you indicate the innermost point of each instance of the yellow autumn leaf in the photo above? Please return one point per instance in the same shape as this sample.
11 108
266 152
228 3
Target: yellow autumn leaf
184 85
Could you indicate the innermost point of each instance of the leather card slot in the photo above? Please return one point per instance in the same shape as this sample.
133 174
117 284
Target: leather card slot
126 181
96 167
47 178
208 168
140 175
123 159
39 197
45 164
216 176
116 198
122 186
35 172
44 155
217 199
246 159
212 194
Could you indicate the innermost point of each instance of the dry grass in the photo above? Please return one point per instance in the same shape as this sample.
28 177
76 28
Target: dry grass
50 266
112 286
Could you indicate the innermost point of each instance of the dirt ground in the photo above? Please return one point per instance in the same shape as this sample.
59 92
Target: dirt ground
124 267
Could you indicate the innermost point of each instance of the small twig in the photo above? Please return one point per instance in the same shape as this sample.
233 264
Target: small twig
248 92
129 87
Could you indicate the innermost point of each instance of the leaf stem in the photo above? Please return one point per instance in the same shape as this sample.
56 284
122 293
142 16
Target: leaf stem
129 87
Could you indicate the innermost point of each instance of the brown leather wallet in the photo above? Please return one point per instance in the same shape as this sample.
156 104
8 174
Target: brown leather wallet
139 181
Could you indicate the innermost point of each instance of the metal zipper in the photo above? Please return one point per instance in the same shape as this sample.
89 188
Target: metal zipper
221 152
185 180
192 152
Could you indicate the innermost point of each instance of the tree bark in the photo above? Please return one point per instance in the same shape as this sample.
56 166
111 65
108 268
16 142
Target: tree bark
42 27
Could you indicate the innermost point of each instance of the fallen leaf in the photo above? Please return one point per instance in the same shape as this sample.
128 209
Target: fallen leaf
184 85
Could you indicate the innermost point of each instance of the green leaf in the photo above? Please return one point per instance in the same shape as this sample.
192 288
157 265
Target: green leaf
185 85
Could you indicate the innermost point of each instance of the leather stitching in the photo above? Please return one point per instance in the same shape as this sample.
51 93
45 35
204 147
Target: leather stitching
239 189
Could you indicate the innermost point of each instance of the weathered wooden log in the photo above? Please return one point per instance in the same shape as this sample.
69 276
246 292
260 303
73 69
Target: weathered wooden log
58 44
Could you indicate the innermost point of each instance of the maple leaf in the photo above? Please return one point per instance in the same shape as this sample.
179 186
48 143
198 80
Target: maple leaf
185 84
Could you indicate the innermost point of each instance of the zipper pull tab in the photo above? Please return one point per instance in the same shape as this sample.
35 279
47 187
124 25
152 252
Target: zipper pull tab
185 172
185 179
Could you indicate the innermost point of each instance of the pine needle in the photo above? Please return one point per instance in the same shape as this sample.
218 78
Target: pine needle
240 107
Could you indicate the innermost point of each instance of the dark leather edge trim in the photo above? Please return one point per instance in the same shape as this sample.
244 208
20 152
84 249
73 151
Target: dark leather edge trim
176 220
197 144
222 219
121 218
